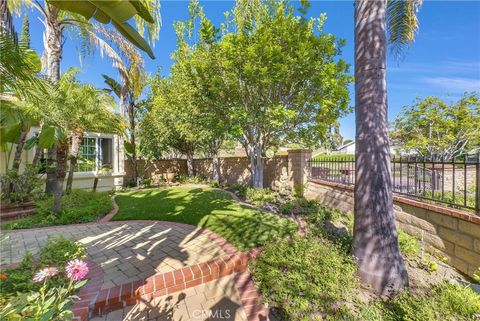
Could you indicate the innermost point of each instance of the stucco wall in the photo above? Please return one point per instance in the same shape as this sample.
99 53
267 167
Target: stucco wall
81 180
453 233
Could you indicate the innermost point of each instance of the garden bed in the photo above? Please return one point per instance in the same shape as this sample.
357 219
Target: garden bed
44 287
314 277
77 207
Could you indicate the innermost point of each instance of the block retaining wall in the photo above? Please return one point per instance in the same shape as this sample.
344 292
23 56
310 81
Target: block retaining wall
453 233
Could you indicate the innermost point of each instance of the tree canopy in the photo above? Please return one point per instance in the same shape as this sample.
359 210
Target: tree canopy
439 130
267 77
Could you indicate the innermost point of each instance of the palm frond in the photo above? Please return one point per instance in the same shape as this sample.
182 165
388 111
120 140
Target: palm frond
402 24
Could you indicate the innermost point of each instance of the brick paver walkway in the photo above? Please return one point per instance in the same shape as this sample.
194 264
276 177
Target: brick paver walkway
152 270
215 300
126 251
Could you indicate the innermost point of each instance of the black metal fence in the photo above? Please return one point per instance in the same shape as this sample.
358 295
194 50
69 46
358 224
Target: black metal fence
454 183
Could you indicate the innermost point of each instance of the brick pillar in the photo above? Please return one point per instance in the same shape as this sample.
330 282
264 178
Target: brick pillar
298 168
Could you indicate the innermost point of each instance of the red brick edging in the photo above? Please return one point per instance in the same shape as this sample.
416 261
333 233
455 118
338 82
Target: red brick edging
170 282
94 301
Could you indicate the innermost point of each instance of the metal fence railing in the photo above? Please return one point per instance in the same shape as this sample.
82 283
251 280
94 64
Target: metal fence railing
454 183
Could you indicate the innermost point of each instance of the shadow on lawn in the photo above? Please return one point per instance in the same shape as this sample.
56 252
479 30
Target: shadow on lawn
208 208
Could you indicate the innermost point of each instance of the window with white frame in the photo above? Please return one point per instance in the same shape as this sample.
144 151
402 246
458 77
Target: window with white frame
95 154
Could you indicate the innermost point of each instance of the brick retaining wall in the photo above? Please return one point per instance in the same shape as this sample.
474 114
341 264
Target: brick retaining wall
280 172
454 233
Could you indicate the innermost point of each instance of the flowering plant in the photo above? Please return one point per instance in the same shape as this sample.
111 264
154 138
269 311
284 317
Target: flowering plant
51 302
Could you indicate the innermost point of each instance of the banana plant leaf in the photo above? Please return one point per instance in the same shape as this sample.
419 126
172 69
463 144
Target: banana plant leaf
116 11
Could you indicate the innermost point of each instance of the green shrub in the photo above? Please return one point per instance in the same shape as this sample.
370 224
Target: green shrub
18 279
58 251
20 187
147 182
305 276
180 178
259 196
239 189
214 183
287 207
79 206
409 245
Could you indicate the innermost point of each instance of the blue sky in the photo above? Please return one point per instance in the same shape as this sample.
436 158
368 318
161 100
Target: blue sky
444 61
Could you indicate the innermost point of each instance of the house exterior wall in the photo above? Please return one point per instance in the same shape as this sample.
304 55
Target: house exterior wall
81 180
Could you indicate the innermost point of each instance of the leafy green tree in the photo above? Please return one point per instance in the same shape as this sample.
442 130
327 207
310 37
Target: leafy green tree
197 48
375 242
172 119
279 78
435 129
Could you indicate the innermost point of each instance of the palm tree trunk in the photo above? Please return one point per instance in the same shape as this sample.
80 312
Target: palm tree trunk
77 138
17 158
60 172
18 151
37 155
375 243
52 41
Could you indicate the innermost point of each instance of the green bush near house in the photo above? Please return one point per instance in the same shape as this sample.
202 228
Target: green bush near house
77 207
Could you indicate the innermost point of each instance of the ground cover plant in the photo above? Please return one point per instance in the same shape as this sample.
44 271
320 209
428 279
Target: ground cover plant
77 207
216 210
313 277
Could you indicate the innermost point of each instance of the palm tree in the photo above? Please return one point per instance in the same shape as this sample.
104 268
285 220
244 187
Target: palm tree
75 15
94 113
129 90
375 243
70 108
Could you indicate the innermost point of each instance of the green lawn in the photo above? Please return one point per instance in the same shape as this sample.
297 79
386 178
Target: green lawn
210 208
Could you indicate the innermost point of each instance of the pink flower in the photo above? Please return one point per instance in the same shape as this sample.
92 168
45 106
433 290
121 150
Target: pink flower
76 270
45 273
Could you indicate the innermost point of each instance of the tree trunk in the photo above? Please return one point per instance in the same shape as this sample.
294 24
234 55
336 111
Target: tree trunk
52 42
37 155
133 142
216 167
73 157
256 165
17 159
60 172
95 183
375 243
190 170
